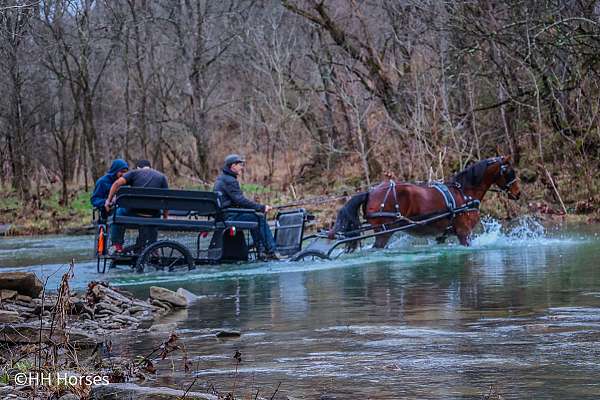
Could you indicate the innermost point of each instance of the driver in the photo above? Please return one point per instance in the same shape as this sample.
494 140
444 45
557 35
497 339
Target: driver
232 196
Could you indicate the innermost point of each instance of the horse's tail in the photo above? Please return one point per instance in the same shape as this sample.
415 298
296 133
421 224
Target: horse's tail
347 218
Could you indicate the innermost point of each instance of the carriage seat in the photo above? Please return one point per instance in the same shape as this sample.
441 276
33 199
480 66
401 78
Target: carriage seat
189 210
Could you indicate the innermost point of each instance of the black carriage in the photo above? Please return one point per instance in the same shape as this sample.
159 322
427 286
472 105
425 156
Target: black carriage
197 231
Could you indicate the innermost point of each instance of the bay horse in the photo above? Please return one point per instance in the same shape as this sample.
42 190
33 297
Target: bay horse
391 202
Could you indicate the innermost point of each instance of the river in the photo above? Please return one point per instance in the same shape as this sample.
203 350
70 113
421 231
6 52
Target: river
517 314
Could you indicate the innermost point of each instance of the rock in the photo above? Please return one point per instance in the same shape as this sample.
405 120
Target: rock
79 306
126 319
109 307
30 333
104 313
69 396
169 296
135 309
26 283
116 296
48 306
102 292
162 305
163 327
228 334
25 299
130 391
5 229
140 303
6 294
24 304
89 324
189 296
9 317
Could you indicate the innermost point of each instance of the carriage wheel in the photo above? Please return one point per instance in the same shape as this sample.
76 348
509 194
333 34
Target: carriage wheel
165 255
310 255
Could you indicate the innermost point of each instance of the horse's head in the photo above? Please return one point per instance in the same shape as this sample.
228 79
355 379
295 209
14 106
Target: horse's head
506 178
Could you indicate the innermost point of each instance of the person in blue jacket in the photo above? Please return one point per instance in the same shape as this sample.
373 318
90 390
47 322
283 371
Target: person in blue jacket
118 168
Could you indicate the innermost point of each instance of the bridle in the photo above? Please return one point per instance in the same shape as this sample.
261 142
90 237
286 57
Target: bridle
509 175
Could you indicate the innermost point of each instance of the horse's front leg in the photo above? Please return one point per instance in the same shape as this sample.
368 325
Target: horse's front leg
463 226
463 239
382 241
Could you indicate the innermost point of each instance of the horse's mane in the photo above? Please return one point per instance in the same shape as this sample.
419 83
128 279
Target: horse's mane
473 174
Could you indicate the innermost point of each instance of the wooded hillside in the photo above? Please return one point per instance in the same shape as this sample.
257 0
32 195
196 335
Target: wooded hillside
312 92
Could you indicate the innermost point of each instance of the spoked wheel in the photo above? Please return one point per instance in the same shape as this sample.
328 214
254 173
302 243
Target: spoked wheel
165 255
309 255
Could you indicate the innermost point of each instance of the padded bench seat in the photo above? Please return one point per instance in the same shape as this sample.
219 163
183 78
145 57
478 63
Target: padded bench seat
180 224
180 203
166 224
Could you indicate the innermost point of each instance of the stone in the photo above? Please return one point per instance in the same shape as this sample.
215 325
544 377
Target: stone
135 309
163 327
115 296
9 317
126 319
48 306
69 396
161 305
30 333
189 296
104 313
169 296
26 283
140 303
7 294
79 306
108 307
130 391
25 299
101 292
25 304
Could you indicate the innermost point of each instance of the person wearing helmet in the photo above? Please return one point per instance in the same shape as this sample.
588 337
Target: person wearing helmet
232 197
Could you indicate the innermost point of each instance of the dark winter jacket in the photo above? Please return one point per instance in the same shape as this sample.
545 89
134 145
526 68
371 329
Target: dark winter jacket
104 184
231 193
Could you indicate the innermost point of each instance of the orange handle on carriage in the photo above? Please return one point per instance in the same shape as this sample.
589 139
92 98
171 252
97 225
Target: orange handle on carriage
101 246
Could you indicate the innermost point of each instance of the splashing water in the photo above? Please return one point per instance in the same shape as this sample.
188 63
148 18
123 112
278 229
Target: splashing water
526 230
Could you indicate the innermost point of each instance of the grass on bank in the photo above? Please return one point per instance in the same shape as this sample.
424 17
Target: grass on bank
45 214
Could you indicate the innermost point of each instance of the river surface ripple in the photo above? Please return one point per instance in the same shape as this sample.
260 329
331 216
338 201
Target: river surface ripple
517 314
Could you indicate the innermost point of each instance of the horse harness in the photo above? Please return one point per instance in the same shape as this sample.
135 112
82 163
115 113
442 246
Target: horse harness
470 204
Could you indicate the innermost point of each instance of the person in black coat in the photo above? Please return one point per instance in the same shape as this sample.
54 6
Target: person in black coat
232 197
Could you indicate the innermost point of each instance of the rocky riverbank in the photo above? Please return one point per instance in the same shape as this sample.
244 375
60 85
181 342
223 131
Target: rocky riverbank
66 336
